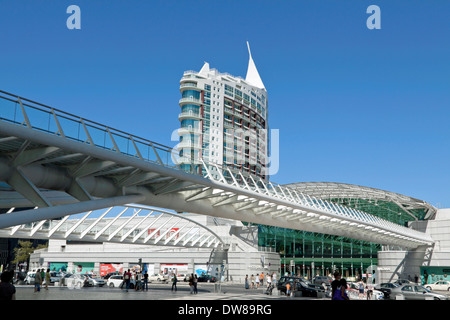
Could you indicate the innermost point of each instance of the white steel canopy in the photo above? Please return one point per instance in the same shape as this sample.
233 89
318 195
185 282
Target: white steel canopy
133 224
334 190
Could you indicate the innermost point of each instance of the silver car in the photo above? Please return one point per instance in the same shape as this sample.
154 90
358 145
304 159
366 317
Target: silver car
95 281
416 292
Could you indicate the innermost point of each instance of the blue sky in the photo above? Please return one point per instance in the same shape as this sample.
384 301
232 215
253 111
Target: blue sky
353 105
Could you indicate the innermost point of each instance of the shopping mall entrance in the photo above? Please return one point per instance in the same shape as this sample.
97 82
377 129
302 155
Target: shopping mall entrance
352 269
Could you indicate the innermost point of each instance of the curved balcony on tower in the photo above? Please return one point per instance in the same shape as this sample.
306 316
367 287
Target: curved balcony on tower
190 97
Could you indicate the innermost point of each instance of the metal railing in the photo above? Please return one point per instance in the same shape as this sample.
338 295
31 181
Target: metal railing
25 112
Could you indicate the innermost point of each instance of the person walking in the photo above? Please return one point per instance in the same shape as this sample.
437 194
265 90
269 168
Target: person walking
261 278
268 280
344 288
369 293
246 282
341 291
127 278
257 282
335 284
138 285
47 279
288 289
37 281
195 283
361 289
253 281
174 282
7 289
191 283
145 287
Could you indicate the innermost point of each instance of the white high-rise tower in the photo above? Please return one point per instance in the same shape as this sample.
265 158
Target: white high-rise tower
224 121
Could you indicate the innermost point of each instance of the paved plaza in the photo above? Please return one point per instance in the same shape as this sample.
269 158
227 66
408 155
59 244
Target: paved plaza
206 291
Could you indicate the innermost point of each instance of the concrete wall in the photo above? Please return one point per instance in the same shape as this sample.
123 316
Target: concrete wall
395 264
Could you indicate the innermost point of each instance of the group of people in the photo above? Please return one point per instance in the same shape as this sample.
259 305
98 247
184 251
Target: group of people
339 288
141 281
257 280
193 280
40 275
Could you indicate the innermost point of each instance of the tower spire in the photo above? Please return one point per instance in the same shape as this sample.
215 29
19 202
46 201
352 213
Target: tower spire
252 73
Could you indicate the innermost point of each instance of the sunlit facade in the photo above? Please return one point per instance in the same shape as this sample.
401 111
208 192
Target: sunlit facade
223 121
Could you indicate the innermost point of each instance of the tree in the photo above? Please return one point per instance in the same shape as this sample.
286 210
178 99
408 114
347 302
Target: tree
23 251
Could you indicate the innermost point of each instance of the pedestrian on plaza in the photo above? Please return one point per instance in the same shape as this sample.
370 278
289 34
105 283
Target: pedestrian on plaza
127 278
257 282
361 289
37 281
335 284
195 283
288 289
145 282
246 282
7 289
268 280
369 293
138 285
341 291
253 281
191 283
344 288
47 279
174 282
261 278
274 279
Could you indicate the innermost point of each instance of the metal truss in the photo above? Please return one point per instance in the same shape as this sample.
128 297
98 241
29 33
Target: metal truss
133 224
44 149
333 190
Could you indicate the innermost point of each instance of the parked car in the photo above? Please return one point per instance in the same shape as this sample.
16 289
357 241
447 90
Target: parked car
386 288
206 278
56 276
107 276
415 292
353 291
76 281
157 278
114 281
293 281
95 281
401 282
29 279
322 280
183 277
441 285
308 289
281 284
